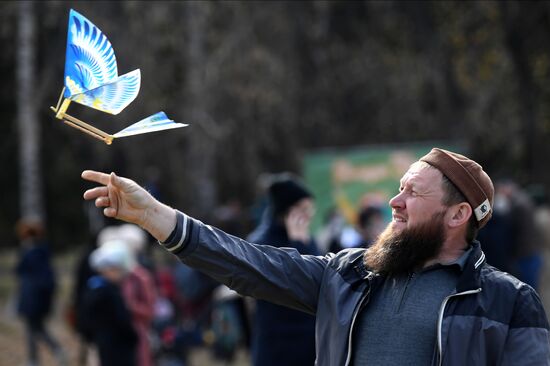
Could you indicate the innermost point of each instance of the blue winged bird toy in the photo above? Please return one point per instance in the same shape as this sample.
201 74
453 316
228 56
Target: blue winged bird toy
91 79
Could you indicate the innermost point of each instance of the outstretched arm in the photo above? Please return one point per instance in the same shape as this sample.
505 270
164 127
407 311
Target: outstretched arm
279 275
124 199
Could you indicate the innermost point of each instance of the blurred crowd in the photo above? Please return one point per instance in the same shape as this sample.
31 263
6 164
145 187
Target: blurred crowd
133 304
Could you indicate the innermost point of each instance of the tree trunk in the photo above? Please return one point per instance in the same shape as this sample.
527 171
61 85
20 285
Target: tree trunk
516 32
203 148
31 202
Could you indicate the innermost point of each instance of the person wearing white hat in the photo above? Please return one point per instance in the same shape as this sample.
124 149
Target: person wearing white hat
107 317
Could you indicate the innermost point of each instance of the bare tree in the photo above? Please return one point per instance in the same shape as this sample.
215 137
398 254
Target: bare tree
203 143
31 202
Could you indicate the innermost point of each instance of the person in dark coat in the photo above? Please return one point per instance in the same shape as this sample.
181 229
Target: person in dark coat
36 289
283 336
83 273
108 320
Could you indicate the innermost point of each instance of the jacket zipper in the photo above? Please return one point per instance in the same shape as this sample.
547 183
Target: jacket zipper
359 307
440 319
407 284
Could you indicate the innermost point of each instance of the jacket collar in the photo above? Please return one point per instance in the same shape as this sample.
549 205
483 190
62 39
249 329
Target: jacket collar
468 280
470 277
362 273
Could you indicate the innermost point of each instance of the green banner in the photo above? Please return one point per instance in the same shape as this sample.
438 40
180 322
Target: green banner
348 180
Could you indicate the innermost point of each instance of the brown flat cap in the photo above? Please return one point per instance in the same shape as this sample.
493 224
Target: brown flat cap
469 177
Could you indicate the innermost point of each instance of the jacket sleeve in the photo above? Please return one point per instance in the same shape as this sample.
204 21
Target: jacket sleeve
528 341
278 275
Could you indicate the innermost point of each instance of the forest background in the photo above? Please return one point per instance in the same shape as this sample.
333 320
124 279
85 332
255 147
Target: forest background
263 83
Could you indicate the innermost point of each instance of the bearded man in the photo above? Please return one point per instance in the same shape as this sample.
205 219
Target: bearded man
423 294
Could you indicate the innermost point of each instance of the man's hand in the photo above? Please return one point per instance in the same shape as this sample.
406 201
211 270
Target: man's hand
125 200
122 198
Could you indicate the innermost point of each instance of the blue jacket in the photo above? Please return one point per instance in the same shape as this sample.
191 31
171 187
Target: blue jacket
36 282
491 319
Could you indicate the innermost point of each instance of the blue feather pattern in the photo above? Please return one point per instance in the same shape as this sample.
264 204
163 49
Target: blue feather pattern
113 97
91 76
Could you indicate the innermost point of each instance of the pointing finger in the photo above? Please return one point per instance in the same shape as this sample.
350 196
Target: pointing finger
97 177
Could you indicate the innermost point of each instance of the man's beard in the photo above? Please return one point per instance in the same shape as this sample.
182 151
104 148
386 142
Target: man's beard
400 252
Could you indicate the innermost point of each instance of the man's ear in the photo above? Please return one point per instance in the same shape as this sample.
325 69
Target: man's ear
459 214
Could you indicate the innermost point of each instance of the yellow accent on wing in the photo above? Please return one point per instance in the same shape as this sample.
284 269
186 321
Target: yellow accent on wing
74 88
97 103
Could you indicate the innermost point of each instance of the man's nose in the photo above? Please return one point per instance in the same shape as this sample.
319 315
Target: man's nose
397 201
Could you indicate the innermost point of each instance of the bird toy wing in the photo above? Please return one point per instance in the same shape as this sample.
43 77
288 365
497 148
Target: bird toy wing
157 122
113 97
91 78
